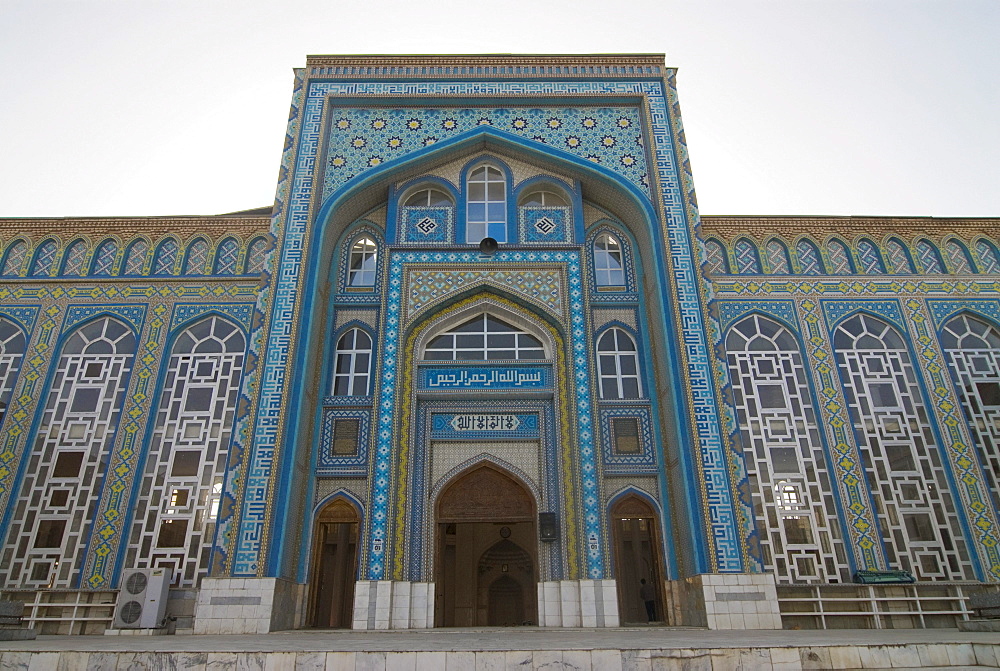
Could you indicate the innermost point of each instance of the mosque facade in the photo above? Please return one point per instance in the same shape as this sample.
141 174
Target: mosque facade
484 364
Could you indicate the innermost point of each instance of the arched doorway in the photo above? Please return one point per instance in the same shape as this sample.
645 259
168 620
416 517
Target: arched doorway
486 558
334 563
635 527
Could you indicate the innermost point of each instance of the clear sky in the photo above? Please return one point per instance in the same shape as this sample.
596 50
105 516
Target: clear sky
158 107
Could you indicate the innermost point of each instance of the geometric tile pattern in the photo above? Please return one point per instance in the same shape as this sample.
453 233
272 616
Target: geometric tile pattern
421 225
721 521
545 224
363 139
627 464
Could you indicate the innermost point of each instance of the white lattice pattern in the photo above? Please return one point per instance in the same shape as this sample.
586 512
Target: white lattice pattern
794 508
47 539
182 483
916 509
973 350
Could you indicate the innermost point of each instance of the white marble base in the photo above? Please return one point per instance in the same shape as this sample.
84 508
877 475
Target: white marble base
726 601
389 604
247 606
578 603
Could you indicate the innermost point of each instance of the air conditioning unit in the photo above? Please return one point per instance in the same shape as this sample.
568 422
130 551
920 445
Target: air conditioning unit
142 599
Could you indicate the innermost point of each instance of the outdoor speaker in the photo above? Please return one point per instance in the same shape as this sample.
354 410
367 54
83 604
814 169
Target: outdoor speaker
548 527
488 246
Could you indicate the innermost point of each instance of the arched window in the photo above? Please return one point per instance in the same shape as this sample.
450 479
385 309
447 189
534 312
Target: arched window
915 507
226 256
486 205
618 365
256 254
840 258
354 364
12 346
973 350
609 265
899 260
135 260
810 262
958 258
783 450
747 262
989 260
44 259
74 438
777 258
175 513
197 256
484 338
104 258
930 260
74 259
166 257
543 198
14 259
363 264
716 260
871 260
428 197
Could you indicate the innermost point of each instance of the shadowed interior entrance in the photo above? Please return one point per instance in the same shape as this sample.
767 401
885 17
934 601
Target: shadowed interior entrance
486 551
335 551
637 557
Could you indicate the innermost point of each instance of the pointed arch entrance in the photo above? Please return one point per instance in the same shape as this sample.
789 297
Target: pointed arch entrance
635 534
334 564
486 555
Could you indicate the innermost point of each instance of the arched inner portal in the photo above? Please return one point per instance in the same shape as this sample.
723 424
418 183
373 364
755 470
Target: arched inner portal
486 555
335 552
637 558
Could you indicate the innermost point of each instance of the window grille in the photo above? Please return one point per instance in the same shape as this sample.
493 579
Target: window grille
794 506
909 488
175 514
973 350
70 450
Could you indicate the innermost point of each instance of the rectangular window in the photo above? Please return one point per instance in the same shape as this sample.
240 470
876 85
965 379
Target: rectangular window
186 463
345 437
625 435
50 533
67 465
172 534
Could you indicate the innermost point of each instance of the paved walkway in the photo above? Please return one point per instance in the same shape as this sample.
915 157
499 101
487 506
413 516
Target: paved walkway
498 639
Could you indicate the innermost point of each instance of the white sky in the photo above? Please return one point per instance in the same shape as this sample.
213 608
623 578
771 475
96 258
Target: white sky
154 107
